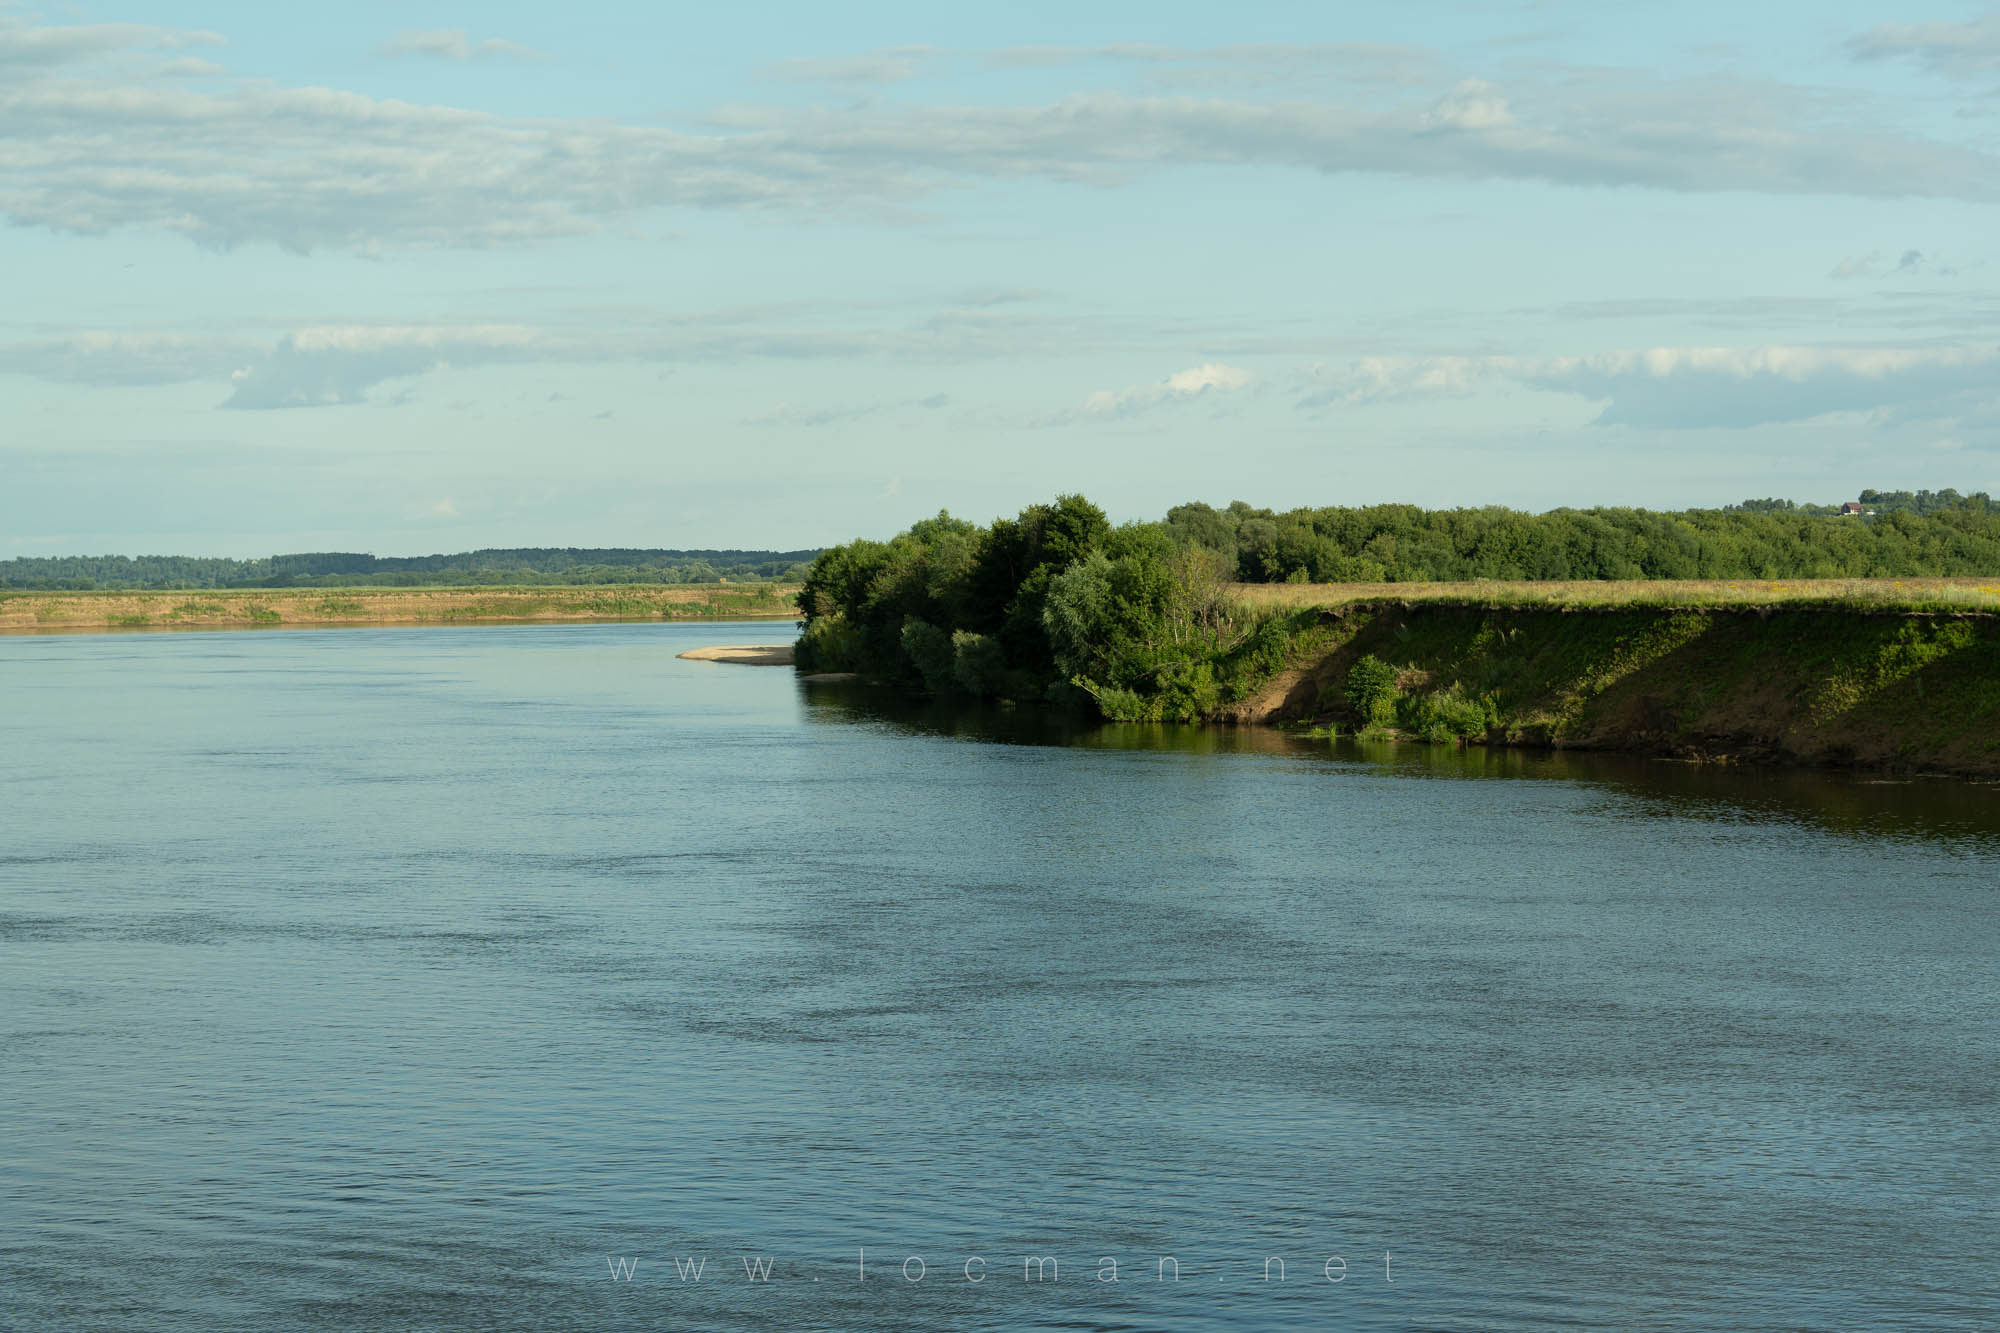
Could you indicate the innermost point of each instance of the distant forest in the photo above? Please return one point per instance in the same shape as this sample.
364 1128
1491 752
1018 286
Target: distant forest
341 569
1899 534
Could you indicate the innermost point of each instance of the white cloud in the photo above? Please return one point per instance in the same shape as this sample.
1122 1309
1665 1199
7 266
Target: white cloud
123 358
1473 105
1693 387
784 414
1965 50
1193 382
1725 386
23 45
893 65
336 364
89 148
456 44
1911 263
1858 266
192 67
1200 379
1391 379
1263 64
321 367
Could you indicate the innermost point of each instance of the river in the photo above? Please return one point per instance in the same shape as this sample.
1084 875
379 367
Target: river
496 977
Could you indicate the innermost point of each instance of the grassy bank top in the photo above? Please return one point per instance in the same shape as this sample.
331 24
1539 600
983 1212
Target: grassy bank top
217 609
1951 596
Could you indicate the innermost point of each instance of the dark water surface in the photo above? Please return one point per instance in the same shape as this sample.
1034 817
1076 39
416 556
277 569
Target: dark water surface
396 978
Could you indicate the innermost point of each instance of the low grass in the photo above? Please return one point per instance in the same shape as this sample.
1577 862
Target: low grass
338 606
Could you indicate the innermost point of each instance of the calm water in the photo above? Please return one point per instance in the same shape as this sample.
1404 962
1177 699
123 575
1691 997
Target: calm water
398 978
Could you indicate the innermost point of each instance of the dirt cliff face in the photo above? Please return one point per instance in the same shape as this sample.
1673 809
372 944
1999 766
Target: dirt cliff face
1810 685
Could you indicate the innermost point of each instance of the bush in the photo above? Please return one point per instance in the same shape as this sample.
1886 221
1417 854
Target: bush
1447 715
1371 690
828 643
931 652
1187 693
979 663
1121 705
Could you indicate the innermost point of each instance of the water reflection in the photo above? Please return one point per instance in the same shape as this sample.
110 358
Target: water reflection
1930 809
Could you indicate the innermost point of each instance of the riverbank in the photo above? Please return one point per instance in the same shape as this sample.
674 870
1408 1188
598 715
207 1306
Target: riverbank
1841 687
43 612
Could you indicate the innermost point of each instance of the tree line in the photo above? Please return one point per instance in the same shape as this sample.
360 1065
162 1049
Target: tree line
1924 534
524 565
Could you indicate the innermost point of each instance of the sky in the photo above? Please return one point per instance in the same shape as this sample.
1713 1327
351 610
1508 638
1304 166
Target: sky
417 277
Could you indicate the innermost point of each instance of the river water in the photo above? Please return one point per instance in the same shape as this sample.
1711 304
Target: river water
439 978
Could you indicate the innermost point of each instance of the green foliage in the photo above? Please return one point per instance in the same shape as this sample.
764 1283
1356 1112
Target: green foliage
1826 684
1076 612
1054 604
1186 692
1371 690
828 643
1883 654
1921 503
1923 534
1444 715
1265 652
1122 705
979 663
929 650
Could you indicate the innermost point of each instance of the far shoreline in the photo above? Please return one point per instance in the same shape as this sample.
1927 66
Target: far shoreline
30 612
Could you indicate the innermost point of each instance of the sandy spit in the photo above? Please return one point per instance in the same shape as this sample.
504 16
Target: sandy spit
743 654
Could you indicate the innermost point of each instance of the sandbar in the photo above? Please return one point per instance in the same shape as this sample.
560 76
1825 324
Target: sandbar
744 654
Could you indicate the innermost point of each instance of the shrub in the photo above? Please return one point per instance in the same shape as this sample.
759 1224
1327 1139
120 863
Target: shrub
930 652
1121 705
1187 692
829 643
1446 715
979 663
1371 690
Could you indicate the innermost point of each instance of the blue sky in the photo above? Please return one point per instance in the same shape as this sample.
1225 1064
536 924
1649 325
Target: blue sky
406 278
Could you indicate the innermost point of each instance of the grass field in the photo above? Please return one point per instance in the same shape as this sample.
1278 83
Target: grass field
44 612
1967 594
